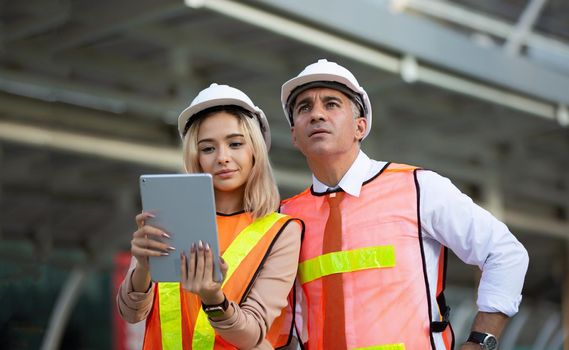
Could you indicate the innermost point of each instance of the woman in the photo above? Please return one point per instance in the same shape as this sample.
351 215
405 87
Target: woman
226 135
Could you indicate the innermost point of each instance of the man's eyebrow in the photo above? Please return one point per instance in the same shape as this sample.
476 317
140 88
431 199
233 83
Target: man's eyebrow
325 98
304 100
331 98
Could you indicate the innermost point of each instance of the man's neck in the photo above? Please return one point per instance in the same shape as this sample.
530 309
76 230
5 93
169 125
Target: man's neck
331 169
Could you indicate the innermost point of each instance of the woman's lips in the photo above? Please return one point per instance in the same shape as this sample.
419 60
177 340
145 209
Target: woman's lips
225 173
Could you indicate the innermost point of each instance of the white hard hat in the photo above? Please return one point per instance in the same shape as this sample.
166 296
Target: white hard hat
325 74
223 95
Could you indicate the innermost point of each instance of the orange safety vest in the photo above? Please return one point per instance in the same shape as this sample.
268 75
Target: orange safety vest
387 299
177 321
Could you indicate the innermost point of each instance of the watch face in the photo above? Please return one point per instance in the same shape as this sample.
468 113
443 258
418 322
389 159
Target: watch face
490 343
214 311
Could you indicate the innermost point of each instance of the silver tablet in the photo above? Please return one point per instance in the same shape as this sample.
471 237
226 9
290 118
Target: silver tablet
184 208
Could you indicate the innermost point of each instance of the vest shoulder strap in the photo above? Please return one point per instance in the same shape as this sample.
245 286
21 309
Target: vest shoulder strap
396 167
285 201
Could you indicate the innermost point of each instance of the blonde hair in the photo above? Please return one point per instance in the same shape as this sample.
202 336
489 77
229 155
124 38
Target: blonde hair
261 193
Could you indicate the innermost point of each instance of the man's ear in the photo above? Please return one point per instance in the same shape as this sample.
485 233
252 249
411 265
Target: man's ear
293 137
361 127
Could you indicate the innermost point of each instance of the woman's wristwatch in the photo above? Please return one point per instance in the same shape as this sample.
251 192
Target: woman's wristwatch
486 340
217 309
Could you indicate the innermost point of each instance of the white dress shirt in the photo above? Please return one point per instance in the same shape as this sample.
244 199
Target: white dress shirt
451 218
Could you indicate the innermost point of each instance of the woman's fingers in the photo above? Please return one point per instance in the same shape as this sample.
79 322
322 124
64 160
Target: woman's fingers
147 243
187 279
146 252
150 231
142 217
184 267
200 273
223 267
192 263
208 265
200 262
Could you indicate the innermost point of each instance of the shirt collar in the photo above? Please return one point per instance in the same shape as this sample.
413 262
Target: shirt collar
352 180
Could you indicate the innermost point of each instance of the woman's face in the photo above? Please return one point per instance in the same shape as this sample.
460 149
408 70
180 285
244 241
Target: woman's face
224 152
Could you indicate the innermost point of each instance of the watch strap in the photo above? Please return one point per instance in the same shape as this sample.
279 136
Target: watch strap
486 340
477 337
216 309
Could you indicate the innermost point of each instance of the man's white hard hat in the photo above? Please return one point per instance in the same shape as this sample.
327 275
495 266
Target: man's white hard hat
325 74
223 95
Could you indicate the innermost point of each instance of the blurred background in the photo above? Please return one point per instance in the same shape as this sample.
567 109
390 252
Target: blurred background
477 90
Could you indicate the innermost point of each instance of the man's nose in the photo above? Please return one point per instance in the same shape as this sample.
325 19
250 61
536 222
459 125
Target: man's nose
318 113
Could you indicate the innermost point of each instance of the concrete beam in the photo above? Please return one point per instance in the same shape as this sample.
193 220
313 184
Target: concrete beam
482 22
86 95
375 23
105 19
202 44
524 26
38 112
170 158
52 15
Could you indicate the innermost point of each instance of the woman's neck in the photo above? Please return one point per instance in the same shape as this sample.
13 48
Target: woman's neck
229 202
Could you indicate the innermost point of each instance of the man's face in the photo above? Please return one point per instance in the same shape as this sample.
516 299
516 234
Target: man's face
324 123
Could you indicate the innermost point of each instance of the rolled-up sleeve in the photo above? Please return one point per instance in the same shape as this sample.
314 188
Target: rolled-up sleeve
451 218
133 306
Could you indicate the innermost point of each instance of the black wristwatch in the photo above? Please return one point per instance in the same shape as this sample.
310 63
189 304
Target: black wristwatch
217 309
486 340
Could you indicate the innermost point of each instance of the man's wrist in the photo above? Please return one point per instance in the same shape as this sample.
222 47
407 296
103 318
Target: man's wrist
486 341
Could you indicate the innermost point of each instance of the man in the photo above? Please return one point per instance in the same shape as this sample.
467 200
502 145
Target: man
372 262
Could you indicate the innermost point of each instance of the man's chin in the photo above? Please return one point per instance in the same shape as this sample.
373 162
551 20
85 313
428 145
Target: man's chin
318 150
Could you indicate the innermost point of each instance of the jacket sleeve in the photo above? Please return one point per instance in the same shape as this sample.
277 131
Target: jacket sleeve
133 306
248 326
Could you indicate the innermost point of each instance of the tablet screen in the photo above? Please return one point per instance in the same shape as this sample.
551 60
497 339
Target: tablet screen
184 208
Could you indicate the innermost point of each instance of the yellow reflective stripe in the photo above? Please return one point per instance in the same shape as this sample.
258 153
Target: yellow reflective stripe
346 261
204 335
399 346
246 240
170 315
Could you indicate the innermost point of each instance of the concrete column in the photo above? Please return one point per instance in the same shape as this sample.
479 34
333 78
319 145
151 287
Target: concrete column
186 83
63 308
100 253
492 193
514 329
2 165
565 301
560 338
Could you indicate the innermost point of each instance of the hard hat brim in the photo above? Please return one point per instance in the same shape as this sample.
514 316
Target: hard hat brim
191 111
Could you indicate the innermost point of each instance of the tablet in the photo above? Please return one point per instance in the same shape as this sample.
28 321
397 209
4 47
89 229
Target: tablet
184 208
